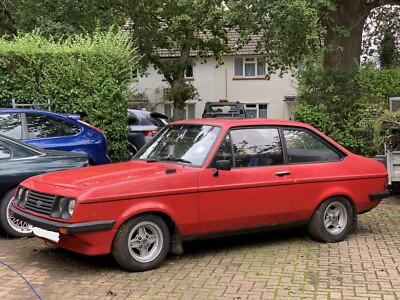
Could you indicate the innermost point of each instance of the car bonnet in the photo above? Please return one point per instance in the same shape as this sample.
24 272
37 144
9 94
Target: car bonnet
115 181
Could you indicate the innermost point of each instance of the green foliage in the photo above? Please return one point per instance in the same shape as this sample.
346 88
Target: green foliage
180 28
376 86
334 102
383 26
291 31
59 18
86 74
388 53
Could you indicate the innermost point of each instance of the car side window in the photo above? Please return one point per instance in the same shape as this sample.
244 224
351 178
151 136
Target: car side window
10 125
256 147
303 147
43 126
4 152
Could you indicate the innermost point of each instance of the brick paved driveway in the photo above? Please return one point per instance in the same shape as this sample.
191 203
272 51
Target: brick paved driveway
284 265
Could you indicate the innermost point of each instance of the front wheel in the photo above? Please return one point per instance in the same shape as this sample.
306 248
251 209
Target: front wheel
141 243
12 226
332 220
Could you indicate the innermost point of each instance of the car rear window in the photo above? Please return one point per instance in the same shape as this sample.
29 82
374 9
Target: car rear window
144 119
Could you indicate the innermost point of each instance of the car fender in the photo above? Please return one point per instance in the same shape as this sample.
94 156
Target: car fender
184 218
304 206
330 192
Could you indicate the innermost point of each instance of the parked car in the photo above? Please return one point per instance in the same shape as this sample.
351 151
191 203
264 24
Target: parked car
224 109
19 161
143 125
201 179
50 130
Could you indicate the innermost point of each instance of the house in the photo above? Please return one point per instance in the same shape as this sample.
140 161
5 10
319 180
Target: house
241 78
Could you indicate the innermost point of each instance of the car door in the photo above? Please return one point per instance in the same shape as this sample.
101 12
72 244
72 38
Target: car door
316 166
257 191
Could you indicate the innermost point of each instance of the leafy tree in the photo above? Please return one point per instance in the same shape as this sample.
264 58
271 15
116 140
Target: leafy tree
58 18
294 31
388 53
384 40
169 33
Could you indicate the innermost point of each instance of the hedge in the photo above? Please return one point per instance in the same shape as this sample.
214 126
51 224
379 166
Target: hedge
85 74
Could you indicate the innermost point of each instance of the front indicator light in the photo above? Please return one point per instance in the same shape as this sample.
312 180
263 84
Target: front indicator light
63 230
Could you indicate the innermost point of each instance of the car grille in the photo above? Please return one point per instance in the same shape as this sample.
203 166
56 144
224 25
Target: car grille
40 203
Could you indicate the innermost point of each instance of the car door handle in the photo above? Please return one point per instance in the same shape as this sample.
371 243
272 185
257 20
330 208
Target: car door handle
283 173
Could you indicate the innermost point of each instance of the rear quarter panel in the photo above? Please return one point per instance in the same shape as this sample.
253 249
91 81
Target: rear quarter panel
355 178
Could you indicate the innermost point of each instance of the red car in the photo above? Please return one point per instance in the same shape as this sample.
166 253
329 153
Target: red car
202 179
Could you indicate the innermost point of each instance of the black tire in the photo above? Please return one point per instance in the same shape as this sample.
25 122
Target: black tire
11 226
332 220
142 243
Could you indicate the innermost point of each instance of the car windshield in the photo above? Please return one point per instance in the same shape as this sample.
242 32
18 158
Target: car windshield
182 143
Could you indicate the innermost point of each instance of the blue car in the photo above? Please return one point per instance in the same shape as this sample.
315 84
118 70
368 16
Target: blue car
49 130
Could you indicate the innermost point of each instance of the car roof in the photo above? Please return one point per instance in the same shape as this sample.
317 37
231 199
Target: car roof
145 112
243 122
32 110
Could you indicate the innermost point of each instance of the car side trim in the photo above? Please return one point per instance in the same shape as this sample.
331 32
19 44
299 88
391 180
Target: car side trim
379 195
55 226
242 231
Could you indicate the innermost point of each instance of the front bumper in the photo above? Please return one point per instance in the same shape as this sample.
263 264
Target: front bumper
65 228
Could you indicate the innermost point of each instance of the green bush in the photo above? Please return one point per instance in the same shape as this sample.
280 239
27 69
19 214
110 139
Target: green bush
345 106
86 74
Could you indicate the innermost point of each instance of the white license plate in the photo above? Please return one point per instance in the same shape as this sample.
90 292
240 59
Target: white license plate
50 235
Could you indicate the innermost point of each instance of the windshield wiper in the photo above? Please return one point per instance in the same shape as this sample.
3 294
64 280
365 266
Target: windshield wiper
171 158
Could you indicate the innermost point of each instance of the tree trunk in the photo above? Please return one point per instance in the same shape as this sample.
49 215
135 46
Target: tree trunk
350 15
179 103
178 113
345 47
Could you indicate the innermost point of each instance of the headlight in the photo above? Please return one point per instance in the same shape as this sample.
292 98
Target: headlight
19 194
21 197
71 206
63 208
61 204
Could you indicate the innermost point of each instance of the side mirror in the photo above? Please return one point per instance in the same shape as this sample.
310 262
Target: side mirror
224 165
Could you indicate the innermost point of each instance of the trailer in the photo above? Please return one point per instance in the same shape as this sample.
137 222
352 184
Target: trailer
391 159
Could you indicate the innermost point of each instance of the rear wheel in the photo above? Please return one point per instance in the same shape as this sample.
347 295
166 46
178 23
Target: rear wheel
332 220
141 243
12 226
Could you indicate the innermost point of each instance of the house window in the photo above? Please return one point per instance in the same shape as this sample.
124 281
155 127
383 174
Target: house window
189 110
189 72
249 67
256 110
166 94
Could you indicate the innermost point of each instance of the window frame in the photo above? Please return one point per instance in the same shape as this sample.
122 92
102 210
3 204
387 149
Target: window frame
32 135
342 155
285 155
255 61
233 156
